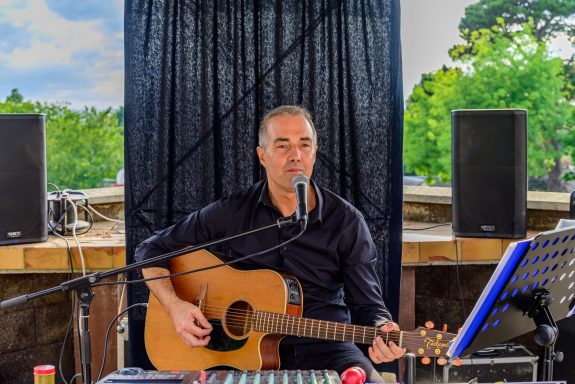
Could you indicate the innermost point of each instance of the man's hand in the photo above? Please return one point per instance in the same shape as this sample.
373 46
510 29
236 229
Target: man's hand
380 352
190 323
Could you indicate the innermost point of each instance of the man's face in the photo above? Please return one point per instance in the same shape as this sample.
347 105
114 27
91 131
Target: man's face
289 150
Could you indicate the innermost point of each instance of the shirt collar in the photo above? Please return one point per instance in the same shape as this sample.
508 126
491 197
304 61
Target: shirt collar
315 215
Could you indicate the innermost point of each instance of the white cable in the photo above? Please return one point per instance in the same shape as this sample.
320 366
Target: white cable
75 211
121 301
104 217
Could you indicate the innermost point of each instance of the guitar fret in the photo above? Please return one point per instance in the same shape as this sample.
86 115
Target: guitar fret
243 318
276 320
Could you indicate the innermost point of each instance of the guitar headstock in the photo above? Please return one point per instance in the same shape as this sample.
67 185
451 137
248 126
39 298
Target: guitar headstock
425 342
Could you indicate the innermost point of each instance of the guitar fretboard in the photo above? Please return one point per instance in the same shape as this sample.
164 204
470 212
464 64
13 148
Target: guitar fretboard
320 329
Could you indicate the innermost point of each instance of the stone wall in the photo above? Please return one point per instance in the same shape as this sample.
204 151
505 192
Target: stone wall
33 333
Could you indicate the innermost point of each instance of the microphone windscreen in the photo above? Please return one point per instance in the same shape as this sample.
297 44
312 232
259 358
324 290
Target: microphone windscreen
299 178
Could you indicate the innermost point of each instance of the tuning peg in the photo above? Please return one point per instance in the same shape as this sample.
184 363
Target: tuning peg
429 324
425 360
444 328
457 362
441 361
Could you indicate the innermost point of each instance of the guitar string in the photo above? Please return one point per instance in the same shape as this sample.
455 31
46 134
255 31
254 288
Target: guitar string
316 326
237 317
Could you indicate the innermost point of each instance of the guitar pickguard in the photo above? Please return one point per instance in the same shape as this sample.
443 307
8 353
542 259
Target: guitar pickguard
220 341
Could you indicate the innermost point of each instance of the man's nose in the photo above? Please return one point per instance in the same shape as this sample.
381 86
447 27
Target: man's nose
294 152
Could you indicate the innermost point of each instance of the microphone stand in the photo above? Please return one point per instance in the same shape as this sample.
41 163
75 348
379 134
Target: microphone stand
83 285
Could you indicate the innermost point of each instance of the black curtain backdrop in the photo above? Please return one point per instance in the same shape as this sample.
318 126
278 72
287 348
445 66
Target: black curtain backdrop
201 74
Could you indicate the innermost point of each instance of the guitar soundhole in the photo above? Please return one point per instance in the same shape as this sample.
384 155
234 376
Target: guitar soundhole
238 321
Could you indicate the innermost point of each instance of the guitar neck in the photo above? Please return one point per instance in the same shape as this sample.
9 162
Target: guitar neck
319 329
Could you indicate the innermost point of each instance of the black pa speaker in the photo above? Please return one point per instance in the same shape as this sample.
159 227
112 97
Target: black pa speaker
489 172
22 179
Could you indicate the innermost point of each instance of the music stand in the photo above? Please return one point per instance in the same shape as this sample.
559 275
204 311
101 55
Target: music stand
532 287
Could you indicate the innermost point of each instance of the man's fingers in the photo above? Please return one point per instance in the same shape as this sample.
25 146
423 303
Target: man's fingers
203 322
194 341
380 352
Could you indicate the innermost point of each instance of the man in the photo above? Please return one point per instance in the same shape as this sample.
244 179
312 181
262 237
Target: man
333 259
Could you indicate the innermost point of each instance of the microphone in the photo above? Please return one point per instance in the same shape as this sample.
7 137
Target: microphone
300 183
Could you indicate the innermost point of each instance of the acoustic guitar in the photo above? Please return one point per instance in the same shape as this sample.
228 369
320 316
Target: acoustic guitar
251 311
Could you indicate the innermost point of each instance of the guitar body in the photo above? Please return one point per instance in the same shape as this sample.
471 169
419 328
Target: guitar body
227 297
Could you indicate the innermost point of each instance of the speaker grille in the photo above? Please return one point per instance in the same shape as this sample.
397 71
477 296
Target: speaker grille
489 173
22 179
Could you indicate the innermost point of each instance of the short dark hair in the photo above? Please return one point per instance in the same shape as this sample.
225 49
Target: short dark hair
285 110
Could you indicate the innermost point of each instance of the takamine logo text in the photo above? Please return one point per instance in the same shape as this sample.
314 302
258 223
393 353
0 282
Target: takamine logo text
434 343
14 234
487 228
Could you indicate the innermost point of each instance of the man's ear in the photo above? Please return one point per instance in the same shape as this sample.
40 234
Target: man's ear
260 151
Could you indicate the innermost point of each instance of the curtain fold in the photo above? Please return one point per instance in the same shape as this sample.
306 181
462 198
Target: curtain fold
200 75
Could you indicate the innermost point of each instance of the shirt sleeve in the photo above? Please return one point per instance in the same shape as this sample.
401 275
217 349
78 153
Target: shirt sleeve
362 285
198 227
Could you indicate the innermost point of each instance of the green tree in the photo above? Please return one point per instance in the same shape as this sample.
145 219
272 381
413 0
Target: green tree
550 17
82 147
15 97
501 70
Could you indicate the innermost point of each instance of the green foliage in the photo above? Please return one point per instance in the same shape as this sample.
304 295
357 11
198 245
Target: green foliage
82 147
550 17
427 122
15 97
501 70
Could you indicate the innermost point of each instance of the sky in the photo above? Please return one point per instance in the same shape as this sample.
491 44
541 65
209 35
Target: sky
73 50
426 39
63 51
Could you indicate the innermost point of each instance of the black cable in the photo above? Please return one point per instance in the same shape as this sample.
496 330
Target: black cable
425 228
459 286
74 307
108 333
54 228
68 327
202 269
91 221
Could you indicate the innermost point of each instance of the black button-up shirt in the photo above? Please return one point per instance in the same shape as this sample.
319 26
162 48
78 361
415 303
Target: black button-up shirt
334 259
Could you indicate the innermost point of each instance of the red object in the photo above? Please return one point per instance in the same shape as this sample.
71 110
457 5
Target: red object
353 375
44 369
